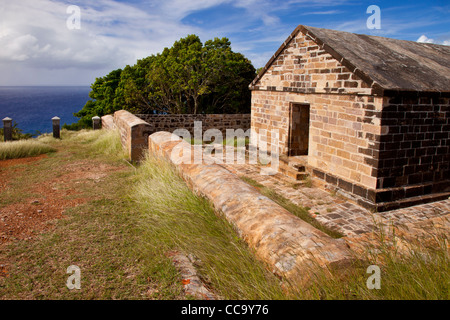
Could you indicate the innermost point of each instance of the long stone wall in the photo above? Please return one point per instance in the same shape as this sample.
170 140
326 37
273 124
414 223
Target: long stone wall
288 244
135 129
171 122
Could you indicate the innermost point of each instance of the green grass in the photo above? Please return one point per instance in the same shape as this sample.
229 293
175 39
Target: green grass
121 236
177 219
416 272
296 210
23 149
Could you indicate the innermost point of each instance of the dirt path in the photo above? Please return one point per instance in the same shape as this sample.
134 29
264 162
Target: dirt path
62 190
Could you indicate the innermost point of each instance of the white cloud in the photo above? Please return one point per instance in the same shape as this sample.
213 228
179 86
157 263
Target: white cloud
424 39
112 34
34 35
36 45
323 12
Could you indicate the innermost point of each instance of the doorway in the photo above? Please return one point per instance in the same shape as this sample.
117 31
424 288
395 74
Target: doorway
298 141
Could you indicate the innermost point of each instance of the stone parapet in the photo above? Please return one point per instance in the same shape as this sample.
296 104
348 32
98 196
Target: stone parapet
108 122
222 122
288 244
134 133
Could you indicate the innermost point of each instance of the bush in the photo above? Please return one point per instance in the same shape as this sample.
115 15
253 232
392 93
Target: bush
76 126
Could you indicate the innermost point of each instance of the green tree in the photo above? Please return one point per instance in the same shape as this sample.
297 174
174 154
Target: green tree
231 73
133 89
189 77
194 78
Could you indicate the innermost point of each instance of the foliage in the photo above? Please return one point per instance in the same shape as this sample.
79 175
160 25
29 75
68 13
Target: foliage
189 77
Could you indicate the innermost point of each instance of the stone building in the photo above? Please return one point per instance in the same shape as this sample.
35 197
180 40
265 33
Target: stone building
368 115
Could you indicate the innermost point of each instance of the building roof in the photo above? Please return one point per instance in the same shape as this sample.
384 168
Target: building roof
384 63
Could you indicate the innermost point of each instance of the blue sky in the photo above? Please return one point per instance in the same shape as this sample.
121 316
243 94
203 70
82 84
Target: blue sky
37 47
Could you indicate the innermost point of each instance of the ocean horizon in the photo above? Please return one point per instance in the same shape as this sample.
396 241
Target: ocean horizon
33 107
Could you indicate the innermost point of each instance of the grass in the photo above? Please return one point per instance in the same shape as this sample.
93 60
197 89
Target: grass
296 210
177 219
121 236
23 149
416 272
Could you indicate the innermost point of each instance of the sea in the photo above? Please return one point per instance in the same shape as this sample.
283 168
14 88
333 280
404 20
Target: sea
32 108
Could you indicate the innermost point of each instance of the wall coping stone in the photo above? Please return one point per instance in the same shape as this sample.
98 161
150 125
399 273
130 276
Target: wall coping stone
288 244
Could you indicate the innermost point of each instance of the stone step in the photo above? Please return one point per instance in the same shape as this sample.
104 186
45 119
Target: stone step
287 181
292 166
293 172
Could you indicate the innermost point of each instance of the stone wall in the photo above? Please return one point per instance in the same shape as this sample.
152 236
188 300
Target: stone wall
341 128
288 244
343 114
134 133
135 129
171 122
303 67
108 122
414 147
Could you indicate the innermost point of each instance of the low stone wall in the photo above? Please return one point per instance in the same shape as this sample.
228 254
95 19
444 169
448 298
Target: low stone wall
288 244
108 122
171 122
133 131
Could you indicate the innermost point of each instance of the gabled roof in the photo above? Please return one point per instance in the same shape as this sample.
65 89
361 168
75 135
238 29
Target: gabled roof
384 63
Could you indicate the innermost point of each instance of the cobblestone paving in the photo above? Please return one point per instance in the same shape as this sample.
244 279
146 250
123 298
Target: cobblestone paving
336 212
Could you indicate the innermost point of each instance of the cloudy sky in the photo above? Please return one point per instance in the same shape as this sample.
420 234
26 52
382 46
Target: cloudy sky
42 44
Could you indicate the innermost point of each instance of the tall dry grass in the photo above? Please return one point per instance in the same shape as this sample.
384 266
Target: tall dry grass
23 148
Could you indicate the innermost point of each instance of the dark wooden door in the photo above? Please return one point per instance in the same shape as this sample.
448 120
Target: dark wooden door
298 129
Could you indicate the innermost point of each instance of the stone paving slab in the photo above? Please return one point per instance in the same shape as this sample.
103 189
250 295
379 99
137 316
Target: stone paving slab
335 212
289 245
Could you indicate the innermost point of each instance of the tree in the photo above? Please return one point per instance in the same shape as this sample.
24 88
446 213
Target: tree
189 77
194 78
133 89
231 73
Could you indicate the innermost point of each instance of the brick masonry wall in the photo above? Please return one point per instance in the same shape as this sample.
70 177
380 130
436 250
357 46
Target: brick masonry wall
341 128
414 147
343 117
171 122
304 67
